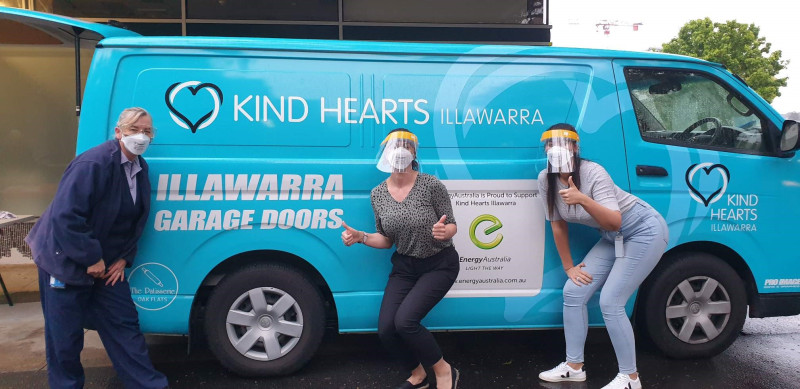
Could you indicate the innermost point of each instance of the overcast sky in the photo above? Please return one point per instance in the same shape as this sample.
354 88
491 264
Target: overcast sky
574 25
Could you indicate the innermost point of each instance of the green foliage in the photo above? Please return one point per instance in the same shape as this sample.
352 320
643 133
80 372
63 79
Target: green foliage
738 46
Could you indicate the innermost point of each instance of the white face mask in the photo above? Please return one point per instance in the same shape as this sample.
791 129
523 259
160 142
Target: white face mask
560 159
136 144
400 158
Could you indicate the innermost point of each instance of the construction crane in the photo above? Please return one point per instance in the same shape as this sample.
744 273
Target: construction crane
607 24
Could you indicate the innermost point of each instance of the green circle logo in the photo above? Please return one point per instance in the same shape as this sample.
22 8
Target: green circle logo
496 225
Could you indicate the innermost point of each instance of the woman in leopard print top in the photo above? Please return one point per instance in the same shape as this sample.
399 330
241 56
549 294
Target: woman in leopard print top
412 212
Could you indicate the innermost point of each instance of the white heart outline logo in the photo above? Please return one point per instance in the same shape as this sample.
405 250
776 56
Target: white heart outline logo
707 168
182 120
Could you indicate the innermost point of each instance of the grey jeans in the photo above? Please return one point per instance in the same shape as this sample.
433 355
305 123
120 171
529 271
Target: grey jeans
645 239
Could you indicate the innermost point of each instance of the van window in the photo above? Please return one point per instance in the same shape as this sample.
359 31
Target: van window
692 109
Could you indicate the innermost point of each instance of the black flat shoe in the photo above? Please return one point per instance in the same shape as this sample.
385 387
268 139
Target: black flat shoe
408 385
456 375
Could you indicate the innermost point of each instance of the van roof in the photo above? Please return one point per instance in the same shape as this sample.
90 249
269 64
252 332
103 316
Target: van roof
316 45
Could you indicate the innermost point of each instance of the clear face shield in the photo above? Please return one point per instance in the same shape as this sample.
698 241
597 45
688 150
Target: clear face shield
560 146
397 152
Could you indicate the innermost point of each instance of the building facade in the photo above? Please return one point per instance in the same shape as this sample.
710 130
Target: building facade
478 21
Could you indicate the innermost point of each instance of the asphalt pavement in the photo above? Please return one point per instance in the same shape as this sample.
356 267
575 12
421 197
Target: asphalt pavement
766 355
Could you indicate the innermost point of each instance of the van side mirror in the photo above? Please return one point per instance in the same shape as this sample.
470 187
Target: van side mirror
789 136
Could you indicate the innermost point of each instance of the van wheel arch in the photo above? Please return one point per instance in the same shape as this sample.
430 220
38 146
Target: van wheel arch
718 250
727 267
197 332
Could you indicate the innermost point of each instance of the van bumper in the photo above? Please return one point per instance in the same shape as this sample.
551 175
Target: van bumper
775 304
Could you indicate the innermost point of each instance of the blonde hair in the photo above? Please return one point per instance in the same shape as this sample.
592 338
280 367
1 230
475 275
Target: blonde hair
130 116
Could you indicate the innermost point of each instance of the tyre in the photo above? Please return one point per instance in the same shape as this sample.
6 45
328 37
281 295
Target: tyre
694 306
265 320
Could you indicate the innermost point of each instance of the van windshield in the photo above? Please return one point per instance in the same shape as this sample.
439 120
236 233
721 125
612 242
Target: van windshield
693 109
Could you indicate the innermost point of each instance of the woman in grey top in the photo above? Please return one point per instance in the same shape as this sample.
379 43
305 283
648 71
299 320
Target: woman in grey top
633 238
412 212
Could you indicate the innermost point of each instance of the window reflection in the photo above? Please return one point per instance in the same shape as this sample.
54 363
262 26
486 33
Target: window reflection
322 10
146 9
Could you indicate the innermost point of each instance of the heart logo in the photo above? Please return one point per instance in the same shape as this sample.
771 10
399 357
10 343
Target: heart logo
707 167
194 87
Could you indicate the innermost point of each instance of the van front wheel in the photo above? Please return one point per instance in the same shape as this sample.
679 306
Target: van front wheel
694 307
265 320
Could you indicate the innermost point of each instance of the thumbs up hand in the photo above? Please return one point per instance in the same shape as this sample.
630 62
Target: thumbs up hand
439 230
351 236
571 195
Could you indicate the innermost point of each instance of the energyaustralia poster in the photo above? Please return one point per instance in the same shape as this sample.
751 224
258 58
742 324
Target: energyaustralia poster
500 239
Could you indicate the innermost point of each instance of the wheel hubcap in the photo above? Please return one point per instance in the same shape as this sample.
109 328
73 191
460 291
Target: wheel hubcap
264 324
698 310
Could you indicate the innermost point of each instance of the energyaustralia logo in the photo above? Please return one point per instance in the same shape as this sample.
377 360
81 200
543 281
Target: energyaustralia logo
191 106
492 227
707 197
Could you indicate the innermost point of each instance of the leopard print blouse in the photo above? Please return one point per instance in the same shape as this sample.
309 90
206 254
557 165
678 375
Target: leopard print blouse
408 223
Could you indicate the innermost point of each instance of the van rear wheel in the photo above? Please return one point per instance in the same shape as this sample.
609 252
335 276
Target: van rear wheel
695 306
265 320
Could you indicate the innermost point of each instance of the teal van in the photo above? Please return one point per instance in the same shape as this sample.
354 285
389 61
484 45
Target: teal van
265 146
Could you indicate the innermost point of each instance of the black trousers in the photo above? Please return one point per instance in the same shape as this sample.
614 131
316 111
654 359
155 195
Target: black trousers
415 286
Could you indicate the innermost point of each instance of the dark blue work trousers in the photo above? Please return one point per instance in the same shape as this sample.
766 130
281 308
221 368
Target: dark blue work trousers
110 310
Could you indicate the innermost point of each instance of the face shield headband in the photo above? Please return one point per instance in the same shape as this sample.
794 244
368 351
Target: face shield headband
397 152
560 145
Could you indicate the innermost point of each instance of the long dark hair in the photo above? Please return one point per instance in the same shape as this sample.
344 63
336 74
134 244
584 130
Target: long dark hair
552 177
414 163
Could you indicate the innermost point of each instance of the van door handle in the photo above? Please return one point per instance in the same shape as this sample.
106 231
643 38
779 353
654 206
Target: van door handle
645 170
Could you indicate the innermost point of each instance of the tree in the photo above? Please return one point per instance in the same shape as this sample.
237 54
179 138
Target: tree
738 46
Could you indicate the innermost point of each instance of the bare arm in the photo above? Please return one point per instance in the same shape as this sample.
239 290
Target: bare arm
351 236
561 236
608 219
574 272
445 228
376 240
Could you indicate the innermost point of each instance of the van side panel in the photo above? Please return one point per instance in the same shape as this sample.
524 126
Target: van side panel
259 150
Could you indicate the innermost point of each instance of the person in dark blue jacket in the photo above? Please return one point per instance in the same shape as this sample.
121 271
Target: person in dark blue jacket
82 244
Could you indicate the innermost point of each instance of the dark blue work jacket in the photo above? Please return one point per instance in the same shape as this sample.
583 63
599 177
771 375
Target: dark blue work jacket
67 238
